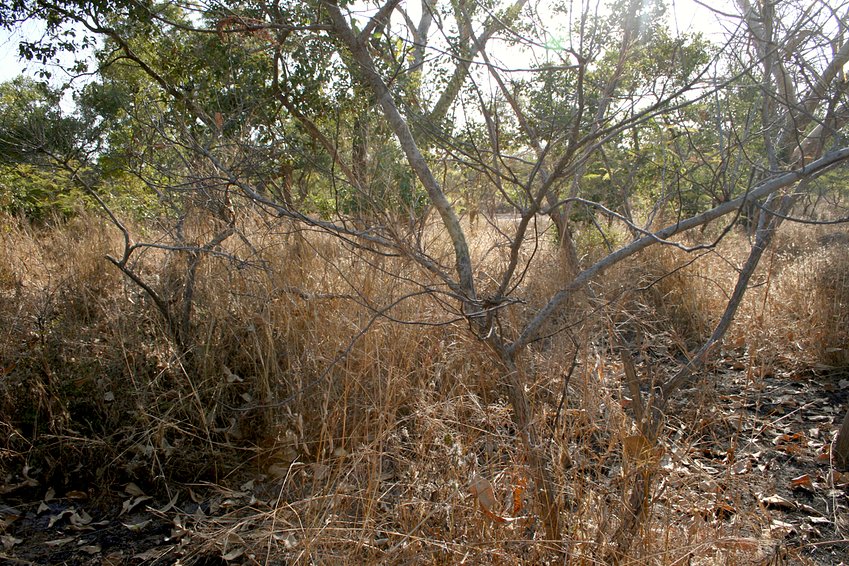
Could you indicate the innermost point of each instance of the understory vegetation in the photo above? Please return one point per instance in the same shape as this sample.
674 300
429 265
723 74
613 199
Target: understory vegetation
368 439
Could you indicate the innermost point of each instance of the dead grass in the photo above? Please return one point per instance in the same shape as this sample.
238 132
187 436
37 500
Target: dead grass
794 314
332 444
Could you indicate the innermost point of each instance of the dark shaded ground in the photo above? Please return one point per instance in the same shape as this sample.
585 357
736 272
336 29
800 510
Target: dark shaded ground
124 529
765 447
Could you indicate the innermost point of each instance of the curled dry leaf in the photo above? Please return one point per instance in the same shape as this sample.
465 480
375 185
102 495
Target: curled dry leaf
137 527
28 481
9 541
132 489
481 490
80 518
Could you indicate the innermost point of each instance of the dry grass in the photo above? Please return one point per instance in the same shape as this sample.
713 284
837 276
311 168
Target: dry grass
794 314
361 445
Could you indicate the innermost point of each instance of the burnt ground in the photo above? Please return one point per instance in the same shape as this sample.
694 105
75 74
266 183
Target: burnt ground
765 445
758 446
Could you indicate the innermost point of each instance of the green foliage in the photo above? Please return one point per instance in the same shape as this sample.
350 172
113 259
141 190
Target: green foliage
390 187
37 193
131 197
31 124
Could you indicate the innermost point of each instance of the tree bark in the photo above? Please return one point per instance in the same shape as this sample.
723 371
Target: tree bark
549 509
841 445
401 129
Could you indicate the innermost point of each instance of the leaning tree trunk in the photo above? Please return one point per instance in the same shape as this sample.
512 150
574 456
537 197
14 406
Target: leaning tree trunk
465 284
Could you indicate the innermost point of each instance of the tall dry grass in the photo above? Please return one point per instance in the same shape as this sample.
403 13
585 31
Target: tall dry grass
794 314
362 433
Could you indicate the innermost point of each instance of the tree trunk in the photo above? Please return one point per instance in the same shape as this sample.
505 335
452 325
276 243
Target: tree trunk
634 511
549 510
566 242
841 445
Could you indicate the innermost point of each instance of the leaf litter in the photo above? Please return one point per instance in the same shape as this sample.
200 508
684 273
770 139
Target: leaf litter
752 455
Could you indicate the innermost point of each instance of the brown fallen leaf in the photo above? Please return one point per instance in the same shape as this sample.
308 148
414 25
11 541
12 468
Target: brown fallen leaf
518 490
796 437
778 502
803 481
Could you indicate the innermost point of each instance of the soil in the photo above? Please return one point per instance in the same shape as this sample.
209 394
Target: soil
766 447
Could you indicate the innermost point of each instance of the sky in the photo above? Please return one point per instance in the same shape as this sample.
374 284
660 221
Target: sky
10 63
689 16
